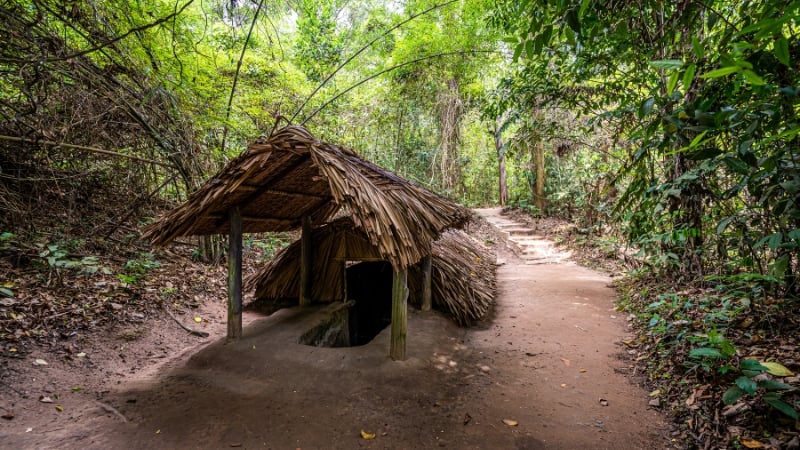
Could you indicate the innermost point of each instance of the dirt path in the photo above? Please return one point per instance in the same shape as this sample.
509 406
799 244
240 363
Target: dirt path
545 360
552 351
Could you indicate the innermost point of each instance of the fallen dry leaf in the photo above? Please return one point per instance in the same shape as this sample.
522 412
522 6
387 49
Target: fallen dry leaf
39 362
751 443
511 423
603 402
566 361
59 408
367 436
45 399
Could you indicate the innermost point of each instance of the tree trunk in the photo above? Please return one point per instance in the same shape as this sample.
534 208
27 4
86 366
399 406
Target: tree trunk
451 111
501 160
539 198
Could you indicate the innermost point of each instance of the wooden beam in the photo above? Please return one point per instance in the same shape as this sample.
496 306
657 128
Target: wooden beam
235 275
397 349
427 301
306 260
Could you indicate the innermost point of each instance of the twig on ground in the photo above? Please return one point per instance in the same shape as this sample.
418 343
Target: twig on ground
191 331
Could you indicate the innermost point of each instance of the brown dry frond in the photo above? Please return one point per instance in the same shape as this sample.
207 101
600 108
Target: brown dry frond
291 174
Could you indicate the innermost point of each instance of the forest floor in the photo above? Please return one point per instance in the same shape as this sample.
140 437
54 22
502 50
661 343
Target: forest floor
547 370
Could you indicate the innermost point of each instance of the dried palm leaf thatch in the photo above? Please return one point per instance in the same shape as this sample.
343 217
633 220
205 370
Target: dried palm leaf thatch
463 277
334 244
291 174
463 271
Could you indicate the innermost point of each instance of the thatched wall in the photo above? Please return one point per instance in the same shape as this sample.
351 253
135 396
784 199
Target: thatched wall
463 271
279 180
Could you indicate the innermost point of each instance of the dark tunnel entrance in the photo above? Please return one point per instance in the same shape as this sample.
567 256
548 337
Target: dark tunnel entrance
370 285
366 313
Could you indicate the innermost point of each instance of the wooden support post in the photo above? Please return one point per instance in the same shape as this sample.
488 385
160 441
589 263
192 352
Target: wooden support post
235 275
427 301
397 348
306 260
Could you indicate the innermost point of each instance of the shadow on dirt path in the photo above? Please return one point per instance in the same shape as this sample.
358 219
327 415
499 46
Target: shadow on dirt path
543 363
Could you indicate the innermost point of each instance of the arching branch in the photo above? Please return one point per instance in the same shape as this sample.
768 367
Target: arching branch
389 69
361 50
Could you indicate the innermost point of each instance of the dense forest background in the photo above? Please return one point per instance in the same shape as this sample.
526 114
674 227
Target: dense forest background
666 131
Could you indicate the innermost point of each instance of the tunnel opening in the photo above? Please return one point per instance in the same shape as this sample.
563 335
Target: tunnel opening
367 311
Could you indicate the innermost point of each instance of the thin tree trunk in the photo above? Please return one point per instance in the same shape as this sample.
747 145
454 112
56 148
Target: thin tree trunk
539 198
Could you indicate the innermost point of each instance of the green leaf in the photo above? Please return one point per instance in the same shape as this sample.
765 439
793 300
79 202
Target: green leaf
736 165
518 51
672 83
697 139
697 48
733 394
752 364
753 78
721 72
778 270
747 385
781 406
7 292
726 348
703 153
772 385
647 107
775 240
667 64
705 352
724 224
782 51
688 76
584 6
569 35
573 21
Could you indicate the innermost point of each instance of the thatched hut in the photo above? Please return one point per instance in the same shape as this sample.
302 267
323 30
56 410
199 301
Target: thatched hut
291 180
463 273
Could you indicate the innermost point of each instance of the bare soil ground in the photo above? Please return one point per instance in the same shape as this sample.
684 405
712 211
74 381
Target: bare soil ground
544 372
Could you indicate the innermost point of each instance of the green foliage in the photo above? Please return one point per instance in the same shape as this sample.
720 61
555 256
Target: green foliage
57 257
702 104
319 48
753 382
136 269
268 243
